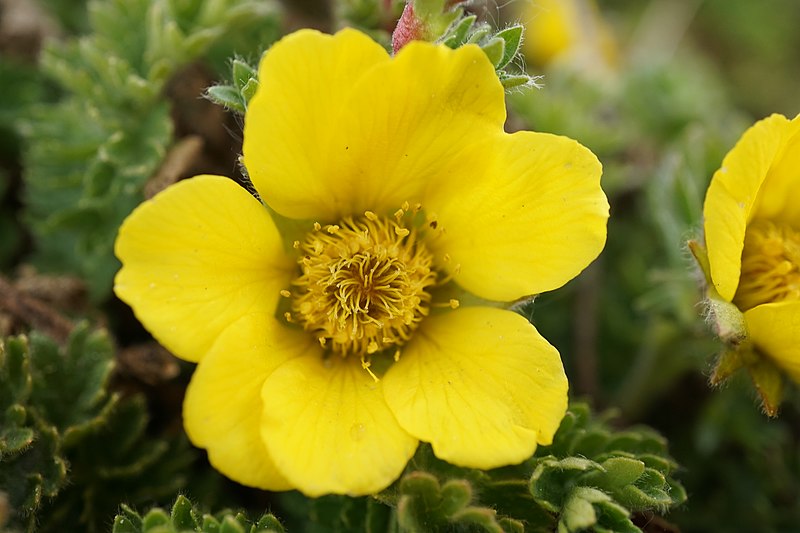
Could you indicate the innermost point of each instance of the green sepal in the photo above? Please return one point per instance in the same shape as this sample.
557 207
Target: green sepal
769 383
235 95
479 33
730 326
728 320
227 96
494 49
512 40
249 89
458 34
728 362
242 73
701 258
500 47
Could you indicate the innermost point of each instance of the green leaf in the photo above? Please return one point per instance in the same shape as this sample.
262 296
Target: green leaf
182 515
127 521
14 439
231 525
155 518
455 495
482 517
579 512
269 522
69 384
87 157
622 471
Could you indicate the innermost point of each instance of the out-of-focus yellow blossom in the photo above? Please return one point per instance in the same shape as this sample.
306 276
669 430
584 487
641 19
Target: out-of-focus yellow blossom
568 31
752 234
324 359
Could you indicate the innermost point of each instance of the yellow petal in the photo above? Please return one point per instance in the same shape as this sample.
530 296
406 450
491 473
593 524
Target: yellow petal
481 385
294 120
382 137
779 197
731 197
223 407
329 430
551 29
196 258
775 329
531 222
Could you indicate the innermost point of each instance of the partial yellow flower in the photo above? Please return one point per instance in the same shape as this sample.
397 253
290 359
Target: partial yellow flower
568 31
752 234
325 357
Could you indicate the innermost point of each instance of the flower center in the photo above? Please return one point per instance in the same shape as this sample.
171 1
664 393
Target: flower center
770 265
363 285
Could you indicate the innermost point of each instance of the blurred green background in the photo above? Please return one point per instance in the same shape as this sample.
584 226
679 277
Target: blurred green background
81 139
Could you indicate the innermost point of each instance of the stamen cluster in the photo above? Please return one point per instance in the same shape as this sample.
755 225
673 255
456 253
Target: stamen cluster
770 265
364 284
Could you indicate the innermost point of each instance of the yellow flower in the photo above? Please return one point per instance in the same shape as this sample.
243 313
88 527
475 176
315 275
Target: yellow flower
324 359
752 234
571 31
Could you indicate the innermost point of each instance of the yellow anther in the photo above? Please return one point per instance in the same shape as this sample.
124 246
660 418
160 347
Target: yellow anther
296 245
371 216
332 228
399 214
317 226
397 355
454 303
288 316
405 206
286 294
446 258
402 232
